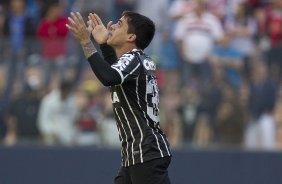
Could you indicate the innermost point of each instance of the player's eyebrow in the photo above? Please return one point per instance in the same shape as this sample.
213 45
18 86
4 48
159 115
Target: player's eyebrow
120 21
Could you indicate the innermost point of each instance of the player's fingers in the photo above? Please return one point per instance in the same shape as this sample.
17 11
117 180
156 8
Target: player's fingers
93 19
72 29
109 25
74 18
90 26
72 24
98 19
71 21
80 19
69 27
90 21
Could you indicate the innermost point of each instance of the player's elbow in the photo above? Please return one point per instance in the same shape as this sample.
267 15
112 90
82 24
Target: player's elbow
111 83
111 80
107 83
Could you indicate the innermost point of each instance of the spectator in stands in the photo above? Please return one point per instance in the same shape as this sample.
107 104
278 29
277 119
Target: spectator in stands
229 59
90 114
107 127
4 102
196 35
242 27
18 26
52 33
279 136
219 8
2 20
229 120
57 115
170 102
211 96
18 30
273 22
33 10
188 109
273 29
260 133
203 134
278 120
157 11
179 9
22 116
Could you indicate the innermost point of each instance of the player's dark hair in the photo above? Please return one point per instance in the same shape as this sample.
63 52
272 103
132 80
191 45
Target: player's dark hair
141 26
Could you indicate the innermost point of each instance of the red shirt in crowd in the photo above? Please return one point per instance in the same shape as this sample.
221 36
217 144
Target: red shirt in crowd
274 26
53 35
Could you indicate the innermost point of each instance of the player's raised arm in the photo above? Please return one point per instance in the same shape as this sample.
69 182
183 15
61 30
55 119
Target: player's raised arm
78 27
100 34
104 72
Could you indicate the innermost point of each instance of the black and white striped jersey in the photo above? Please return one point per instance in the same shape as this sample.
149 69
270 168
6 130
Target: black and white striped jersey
136 108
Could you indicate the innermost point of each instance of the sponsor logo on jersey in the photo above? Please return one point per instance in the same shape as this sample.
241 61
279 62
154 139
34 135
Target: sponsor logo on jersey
123 62
149 64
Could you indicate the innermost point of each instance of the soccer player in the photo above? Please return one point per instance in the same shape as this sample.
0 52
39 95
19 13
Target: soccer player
130 74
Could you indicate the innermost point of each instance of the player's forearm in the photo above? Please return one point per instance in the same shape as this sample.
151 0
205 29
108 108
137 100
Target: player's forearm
108 53
104 72
88 48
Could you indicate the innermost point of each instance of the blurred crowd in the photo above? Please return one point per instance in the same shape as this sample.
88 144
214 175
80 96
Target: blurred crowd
219 73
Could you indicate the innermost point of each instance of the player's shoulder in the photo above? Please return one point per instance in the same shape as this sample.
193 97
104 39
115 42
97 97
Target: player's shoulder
127 57
146 61
127 60
131 55
137 56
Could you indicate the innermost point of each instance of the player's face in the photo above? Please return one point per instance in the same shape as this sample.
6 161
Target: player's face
119 33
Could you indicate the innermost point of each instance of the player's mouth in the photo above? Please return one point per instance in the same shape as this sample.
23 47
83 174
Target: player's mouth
110 34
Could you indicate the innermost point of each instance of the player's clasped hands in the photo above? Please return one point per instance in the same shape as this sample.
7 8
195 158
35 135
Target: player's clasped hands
95 27
100 33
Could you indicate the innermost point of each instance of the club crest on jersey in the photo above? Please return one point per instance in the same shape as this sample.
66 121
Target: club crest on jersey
115 98
149 64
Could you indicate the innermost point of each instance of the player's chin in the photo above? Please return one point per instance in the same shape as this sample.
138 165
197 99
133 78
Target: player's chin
109 41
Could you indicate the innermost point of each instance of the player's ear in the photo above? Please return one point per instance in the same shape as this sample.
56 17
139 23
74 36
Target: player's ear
131 37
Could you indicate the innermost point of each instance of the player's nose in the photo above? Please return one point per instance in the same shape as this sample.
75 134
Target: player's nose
113 26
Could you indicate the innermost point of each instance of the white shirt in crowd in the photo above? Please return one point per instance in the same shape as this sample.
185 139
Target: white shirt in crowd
57 117
198 35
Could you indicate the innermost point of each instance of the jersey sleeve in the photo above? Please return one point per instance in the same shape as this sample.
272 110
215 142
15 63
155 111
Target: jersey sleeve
103 71
128 67
108 53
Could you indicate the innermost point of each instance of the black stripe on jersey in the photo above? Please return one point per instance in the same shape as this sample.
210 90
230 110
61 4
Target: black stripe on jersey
166 144
125 158
138 124
132 136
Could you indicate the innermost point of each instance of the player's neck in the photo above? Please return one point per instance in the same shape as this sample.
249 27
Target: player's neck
124 49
